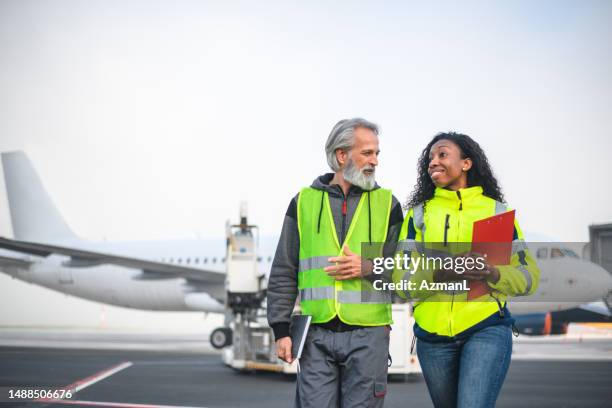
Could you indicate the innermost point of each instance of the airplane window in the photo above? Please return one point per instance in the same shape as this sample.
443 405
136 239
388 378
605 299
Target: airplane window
205 260
179 260
197 260
556 253
223 259
542 253
259 259
214 260
269 259
171 260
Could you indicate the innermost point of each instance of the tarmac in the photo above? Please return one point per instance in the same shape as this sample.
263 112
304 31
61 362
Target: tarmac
145 370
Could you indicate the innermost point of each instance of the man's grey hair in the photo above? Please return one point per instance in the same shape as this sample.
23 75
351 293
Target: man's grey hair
342 137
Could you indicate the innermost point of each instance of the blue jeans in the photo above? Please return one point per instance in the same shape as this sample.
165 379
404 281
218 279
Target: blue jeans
467 373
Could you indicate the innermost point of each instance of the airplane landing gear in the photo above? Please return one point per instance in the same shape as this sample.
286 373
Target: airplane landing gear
221 337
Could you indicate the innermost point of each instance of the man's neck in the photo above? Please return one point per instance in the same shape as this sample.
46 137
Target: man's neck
339 180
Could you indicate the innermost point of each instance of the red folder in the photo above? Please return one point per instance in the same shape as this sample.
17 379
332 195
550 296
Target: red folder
492 237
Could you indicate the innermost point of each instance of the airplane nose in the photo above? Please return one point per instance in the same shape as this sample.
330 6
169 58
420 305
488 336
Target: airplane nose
602 279
609 278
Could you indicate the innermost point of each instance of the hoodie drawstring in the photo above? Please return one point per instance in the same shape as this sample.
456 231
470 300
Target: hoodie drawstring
320 212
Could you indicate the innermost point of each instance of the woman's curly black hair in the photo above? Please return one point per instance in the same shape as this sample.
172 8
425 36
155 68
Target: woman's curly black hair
480 174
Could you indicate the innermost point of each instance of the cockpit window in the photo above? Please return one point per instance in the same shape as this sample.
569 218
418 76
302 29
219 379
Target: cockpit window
569 253
563 253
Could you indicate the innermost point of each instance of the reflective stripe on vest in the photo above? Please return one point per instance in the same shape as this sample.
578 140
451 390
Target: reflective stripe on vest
315 262
345 296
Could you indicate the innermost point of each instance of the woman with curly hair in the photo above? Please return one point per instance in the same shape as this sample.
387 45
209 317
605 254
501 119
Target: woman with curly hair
464 345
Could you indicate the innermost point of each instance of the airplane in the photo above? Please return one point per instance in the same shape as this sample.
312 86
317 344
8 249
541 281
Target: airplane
189 275
171 275
566 281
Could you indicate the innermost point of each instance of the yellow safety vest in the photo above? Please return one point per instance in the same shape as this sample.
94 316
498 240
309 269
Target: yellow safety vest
354 301
445 219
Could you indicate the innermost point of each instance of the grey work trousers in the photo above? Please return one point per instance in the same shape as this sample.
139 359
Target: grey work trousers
343 369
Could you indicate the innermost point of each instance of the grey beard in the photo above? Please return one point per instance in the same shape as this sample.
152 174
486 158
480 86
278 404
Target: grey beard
357 177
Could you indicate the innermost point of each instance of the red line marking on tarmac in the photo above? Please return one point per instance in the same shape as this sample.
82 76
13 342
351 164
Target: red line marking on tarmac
112 404
99 376
87 381
92 379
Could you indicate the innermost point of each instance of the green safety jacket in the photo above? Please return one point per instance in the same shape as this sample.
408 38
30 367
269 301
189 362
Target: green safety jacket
429 230
354 301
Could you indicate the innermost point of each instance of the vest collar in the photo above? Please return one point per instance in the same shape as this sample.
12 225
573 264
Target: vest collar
466 193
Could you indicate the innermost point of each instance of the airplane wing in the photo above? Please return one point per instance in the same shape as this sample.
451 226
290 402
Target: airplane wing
8 261
84 258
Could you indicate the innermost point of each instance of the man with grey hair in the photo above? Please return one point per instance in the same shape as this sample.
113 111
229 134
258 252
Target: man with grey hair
344 360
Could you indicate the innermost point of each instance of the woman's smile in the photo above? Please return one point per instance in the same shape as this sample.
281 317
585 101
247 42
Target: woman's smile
436 173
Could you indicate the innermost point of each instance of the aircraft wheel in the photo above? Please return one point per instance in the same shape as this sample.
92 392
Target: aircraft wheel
221 337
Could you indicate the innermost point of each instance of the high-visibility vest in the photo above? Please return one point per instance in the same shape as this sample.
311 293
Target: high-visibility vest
354 301
445 220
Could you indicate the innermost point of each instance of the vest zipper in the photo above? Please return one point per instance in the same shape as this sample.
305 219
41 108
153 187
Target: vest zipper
344 212
446 227
338 284
450 321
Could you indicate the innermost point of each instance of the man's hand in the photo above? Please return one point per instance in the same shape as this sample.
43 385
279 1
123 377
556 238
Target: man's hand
283 349
347 266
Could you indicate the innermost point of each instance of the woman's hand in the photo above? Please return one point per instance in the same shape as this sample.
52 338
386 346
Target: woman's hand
490 273
446 275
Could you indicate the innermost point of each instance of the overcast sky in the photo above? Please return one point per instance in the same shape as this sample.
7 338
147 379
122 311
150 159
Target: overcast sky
150 120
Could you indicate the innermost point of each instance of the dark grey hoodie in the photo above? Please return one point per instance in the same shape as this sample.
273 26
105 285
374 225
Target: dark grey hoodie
282 285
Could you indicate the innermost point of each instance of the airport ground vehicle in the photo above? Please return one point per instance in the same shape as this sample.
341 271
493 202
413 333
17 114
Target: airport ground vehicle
246 339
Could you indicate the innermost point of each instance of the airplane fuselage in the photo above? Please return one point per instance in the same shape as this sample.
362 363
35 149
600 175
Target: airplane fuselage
564 283
133 288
